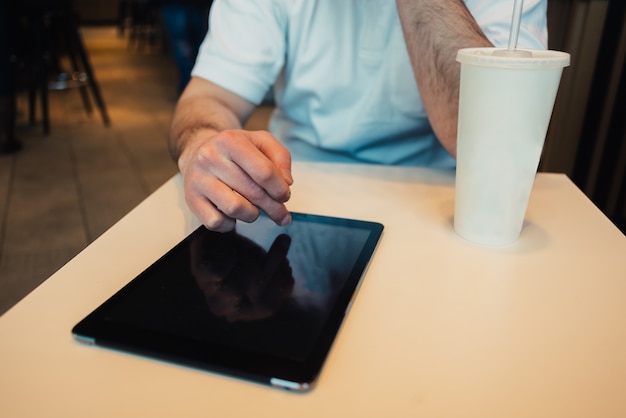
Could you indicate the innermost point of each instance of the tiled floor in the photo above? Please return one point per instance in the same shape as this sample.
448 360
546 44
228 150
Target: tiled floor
63 190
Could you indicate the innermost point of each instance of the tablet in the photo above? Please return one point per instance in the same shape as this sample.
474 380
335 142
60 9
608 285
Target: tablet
263 302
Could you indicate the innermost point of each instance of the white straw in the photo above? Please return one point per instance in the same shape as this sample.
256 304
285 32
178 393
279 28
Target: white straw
515 24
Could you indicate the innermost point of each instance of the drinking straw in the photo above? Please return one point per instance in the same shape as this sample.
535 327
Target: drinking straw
515 24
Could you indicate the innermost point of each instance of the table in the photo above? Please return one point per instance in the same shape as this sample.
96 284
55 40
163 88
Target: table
440 327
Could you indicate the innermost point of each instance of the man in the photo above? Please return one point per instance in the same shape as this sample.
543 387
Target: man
355 80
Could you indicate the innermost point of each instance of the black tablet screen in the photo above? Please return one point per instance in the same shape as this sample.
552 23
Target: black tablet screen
261 302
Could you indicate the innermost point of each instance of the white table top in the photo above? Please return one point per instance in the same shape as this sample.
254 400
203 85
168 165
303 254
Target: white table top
440 327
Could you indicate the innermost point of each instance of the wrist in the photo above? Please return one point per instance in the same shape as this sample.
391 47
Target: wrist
186 144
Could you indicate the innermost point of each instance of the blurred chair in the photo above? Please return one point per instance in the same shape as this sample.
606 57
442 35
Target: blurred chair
48 39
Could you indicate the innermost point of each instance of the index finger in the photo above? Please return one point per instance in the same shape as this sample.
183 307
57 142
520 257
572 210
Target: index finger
266 162
275 151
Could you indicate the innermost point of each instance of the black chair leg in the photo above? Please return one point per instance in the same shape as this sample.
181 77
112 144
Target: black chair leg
76 40
32 102
45 112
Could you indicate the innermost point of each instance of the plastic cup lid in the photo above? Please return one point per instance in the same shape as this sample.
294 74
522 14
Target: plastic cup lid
540 59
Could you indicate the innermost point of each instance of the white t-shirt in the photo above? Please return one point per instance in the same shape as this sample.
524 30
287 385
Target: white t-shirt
343 82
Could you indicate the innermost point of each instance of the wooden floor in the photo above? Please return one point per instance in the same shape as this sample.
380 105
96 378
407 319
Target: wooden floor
64 190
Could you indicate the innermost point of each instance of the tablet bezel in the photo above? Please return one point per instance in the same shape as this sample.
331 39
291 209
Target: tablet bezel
252 366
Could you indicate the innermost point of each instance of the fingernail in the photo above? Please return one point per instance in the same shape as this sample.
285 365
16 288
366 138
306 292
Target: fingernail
286 220
287 175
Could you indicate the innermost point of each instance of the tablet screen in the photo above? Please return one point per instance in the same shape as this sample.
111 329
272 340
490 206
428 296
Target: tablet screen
262 302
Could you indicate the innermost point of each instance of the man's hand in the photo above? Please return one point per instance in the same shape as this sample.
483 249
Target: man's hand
234 174
228 173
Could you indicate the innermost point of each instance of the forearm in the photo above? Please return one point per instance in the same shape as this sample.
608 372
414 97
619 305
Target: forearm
205 108
198 114
434 30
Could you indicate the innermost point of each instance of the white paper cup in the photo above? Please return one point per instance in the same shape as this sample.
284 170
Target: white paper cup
505 105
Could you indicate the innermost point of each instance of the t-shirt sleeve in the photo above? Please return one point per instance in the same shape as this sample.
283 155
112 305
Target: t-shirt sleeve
494 17
244 50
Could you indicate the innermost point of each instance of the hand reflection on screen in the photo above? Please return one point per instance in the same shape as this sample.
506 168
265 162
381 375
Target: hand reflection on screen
239 279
